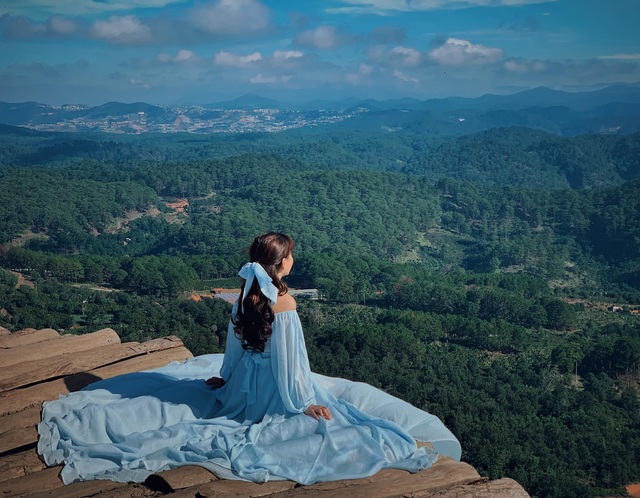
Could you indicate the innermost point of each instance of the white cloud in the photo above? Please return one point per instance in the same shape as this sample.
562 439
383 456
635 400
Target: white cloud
360 10
365 69
621 57
224 58
142 84
121 30
376 53
457 52
352 78
181 56
230 17
323 38
362 76
61 26
407 56
22 28
260 79
284 55
184 55
568 72
524 66
206 21
403 77
45 8
385 7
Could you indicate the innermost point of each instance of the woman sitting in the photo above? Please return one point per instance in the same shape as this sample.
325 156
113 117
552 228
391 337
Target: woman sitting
267 418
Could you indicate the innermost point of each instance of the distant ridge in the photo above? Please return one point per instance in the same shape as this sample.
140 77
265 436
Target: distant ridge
610 110
543 96
21 112
539 96
247 101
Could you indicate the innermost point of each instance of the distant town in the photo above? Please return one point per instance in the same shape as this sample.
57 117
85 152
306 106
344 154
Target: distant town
145 118
199 120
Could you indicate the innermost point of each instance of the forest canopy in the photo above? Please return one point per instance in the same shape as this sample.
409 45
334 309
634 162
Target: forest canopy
468 275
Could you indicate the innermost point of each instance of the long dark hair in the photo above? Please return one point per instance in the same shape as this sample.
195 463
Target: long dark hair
254 316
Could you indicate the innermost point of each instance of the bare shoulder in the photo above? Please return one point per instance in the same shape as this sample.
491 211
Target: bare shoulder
285 303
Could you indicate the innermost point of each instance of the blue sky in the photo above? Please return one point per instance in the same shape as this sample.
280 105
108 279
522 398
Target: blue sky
203 51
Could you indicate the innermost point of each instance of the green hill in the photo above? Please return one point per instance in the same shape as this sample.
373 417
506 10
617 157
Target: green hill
470 276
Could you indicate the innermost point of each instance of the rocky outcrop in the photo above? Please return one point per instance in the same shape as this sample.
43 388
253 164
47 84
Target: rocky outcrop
40 365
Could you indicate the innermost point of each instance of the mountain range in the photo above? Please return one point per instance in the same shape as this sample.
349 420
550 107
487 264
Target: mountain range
612 110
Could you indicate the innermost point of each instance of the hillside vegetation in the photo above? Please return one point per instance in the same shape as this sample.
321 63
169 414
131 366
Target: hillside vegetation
469 276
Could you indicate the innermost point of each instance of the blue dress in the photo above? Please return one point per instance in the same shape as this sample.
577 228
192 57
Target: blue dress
252 428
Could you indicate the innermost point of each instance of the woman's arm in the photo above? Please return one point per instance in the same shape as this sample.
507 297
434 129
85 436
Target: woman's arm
290 365
232 354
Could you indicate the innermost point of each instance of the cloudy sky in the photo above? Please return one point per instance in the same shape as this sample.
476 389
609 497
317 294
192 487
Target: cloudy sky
203 51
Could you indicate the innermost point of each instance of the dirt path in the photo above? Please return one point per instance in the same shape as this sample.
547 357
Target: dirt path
22 280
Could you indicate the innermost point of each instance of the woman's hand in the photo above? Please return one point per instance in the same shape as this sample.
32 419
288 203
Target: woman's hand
215 382
318 412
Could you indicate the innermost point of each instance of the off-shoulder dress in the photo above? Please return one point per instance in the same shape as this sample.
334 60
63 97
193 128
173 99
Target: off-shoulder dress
252 428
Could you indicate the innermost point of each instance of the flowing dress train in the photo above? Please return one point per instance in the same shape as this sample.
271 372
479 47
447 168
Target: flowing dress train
252 428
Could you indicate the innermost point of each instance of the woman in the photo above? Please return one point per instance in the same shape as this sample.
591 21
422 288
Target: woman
266 379
269 417
265 304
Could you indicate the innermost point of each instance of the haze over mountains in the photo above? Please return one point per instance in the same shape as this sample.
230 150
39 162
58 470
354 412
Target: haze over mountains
610 110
